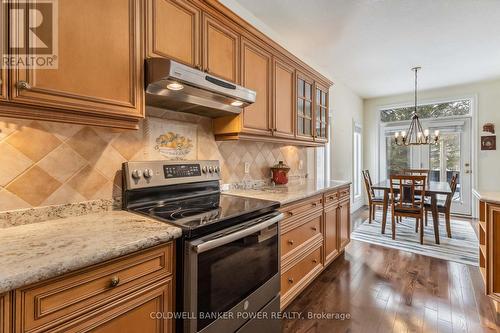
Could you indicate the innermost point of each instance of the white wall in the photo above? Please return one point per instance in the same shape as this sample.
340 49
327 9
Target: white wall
347 108
488 110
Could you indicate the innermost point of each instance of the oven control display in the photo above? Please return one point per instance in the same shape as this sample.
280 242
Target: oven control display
181 170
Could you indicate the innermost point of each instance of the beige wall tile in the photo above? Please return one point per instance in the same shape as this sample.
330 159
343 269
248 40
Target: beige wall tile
128 144
62 163
12 163
33 141
34 186
87 143
63 195
87 182
109 162
9 201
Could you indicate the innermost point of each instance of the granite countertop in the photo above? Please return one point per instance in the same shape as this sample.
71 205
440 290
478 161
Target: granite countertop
35 252
286 194
488 196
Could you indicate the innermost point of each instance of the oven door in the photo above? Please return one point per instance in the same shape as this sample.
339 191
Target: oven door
232 274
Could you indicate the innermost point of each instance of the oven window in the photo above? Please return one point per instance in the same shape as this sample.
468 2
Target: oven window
230 273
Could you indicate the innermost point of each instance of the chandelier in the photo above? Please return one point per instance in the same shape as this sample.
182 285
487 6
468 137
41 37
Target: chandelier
415 135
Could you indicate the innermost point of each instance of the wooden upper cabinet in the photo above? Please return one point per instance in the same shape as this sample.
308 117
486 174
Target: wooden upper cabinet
3 48
173 29
256 75
99 62
284 99
321 113
304 107
221 49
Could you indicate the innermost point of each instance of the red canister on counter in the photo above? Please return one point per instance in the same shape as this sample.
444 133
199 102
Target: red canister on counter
280 173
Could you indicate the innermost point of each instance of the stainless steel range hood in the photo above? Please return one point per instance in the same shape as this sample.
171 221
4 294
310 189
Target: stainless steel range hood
171 85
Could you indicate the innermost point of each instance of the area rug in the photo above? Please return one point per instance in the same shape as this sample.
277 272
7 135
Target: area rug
462 247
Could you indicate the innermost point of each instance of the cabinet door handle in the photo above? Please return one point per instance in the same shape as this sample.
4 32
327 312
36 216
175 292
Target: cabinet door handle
115 280
290 242
290 213
290 280
315 261
198 67
314 228
23 85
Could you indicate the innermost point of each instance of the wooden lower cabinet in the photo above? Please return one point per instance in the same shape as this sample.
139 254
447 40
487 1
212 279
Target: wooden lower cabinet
115 296
5 313
313 233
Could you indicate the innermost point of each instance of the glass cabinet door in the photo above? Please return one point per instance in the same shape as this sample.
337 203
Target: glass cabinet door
321 114
304 107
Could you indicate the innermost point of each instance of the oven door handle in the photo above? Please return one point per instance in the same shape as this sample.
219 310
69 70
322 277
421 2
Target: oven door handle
211 244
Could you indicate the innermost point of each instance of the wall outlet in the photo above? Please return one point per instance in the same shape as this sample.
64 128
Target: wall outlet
247 168
301 164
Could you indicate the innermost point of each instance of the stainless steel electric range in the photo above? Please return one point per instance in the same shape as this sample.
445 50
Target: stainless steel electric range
228 257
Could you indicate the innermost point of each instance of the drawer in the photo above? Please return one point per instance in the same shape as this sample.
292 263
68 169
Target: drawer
298 236
302 207
53 302
332 197
344 193
293 276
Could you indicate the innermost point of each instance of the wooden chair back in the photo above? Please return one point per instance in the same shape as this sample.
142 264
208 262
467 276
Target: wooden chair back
368 184
417 172
453 186
408 192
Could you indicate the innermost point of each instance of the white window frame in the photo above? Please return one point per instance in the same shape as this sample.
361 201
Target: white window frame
357 165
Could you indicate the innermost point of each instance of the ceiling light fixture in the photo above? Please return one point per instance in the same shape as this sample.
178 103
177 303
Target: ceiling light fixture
237 103
415 135
175 86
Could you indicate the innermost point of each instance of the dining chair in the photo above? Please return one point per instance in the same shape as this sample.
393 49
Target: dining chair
417 172
407 194
373 199
444 206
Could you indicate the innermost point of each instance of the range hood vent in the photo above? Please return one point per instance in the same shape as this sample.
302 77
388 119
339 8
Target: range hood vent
174 86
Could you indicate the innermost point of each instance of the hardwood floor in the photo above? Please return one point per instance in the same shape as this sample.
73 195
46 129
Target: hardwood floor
387 290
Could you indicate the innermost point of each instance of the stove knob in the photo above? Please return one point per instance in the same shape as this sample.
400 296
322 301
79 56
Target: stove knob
210 169
148 173
217 169
204 169
136 174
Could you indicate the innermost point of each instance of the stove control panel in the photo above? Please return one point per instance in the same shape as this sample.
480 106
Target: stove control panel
158 173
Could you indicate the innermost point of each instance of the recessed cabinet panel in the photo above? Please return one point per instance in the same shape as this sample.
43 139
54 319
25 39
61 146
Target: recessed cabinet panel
5 313
345 224
174 31
284 112
330 233
220 49
256 75
99 61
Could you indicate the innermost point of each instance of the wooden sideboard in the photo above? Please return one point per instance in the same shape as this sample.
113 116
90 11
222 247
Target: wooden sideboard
114 296
314 232
489 249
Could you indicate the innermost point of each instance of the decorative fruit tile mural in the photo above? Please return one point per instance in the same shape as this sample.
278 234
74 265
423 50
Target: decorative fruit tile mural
46 163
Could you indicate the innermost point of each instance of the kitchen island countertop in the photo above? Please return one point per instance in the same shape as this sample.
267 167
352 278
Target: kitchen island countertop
35 252
286 194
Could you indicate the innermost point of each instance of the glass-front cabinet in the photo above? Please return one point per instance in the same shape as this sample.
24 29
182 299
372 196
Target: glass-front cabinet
304 107
321 114
312 110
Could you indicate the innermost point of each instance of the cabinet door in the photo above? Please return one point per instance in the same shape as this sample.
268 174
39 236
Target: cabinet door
3 51
5 315
256 75
284 98
321 113
174 31
134 315
99 61
344 224
304 107
330 233
220 50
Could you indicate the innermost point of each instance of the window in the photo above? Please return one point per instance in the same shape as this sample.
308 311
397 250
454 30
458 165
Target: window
435 110
358 161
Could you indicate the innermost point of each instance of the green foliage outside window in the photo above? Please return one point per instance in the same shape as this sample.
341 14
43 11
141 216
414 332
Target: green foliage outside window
455 108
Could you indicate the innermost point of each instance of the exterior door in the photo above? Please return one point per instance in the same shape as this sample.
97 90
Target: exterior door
331 235
284 99
99 61
221 50
256 75
174 31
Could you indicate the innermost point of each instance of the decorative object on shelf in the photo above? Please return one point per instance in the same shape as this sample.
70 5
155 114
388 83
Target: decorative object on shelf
280 173
415 135
489 128
489 142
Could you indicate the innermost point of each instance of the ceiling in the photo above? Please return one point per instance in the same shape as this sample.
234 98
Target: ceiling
370 45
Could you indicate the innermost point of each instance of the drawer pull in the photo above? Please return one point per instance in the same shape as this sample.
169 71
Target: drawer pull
290 213
330 197
315 261
23 85
115 280
314 204
290 242
290 280
314 228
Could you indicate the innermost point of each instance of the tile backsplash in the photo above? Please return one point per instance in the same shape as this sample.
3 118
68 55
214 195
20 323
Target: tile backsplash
45 163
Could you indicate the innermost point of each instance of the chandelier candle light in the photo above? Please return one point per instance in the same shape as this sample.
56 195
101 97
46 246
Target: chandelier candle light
415 135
